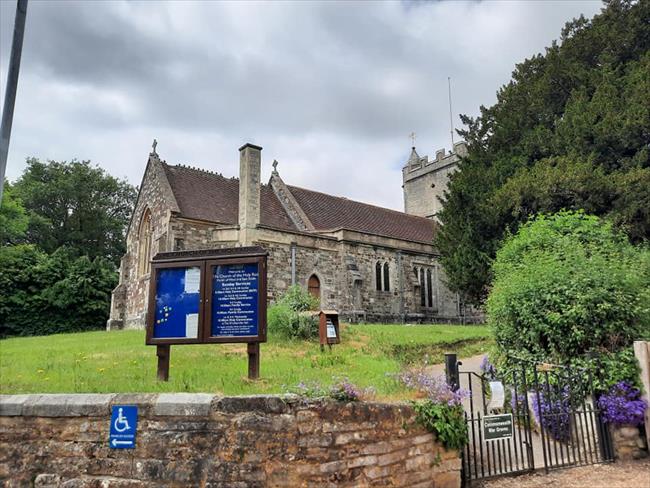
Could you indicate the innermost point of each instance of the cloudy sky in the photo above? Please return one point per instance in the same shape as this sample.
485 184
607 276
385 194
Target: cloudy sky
331 90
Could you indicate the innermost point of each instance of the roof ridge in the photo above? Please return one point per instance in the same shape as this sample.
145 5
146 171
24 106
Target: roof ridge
403 214
201 170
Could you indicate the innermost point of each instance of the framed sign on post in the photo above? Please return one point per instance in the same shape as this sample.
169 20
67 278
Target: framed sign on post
208 296
328 328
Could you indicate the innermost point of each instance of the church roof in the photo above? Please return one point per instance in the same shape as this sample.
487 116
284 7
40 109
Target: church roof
209 196
330 212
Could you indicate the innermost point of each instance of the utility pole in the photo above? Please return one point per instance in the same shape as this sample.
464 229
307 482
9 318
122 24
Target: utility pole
10 90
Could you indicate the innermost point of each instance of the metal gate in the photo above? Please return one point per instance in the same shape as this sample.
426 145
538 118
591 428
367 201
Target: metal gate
541 415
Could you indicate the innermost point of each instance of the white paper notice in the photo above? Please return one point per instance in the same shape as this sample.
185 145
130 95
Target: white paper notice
331 331
192 280
192 325
498 398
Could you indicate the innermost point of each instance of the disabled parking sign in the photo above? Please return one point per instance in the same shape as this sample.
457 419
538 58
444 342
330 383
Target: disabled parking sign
124 422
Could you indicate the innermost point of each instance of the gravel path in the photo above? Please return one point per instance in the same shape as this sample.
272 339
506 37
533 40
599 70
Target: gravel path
633 474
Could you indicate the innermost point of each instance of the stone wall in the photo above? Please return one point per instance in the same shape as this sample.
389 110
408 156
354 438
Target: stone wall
205 440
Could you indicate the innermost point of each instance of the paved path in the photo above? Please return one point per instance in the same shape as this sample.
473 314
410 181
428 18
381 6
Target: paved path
631 474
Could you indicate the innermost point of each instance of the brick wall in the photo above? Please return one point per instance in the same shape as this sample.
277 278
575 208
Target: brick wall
205 440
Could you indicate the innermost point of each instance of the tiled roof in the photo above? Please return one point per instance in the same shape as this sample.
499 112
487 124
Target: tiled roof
209 196
330 212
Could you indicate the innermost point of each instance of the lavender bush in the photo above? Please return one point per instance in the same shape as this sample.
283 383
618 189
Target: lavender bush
434 387
623 404
341 390
552 412
442 411
488 369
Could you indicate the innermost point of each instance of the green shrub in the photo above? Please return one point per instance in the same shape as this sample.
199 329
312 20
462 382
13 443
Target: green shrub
567 285
299 300
43 294
284 318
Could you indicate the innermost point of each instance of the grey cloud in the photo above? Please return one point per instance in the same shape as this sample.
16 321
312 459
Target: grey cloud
326 87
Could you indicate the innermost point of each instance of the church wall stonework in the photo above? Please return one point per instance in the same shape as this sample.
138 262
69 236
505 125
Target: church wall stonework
344 260
129 297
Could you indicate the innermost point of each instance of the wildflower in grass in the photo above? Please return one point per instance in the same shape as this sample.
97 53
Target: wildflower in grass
40 371
101 370
623 404
344 391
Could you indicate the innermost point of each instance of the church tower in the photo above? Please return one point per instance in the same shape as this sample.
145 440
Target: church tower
425 181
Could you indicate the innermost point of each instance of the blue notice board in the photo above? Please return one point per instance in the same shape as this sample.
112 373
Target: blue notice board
235 299
124 424
177 302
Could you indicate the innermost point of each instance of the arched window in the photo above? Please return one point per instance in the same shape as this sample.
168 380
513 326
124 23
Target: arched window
378 275
429 289
386 277
144 243
423 301
313 286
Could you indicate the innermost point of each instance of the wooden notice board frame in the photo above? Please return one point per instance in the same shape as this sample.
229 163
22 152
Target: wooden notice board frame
206 261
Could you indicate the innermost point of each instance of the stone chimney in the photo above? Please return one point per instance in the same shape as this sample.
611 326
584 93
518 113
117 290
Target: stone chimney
250 161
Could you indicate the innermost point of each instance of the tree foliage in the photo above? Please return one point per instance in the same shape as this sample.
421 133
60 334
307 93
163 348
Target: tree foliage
13 217
47 294
569 131
76 205
567 286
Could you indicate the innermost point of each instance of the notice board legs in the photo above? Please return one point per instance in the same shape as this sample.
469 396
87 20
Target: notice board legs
162 351
253 360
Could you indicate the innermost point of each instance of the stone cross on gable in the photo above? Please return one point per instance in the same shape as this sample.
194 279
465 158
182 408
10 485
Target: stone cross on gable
412 136
154 145
275 167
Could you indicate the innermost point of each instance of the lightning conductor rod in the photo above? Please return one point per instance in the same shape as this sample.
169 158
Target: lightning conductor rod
451 120
10 89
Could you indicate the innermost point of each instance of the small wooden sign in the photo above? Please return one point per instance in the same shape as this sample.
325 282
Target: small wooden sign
207 296
328 327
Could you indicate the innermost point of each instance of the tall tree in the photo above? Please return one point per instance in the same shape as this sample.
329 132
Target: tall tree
570 131
13 217
77 205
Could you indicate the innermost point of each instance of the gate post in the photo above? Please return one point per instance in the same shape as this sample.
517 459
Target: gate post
451 370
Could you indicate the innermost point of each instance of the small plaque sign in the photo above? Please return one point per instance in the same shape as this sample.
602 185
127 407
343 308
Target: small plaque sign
497 427
124 423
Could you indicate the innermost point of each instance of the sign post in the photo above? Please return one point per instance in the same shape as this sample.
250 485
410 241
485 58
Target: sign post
204 297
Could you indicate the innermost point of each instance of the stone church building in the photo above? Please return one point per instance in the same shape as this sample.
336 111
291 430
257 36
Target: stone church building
367 262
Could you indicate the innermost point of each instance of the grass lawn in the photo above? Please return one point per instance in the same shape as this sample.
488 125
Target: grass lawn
119 361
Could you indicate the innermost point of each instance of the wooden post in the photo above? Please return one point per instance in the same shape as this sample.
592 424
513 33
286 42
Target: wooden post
253 360
163 352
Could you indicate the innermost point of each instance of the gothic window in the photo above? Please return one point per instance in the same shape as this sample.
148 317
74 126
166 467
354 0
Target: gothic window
423 300
179 244
313 286
386 277
144 243
378 275
429 289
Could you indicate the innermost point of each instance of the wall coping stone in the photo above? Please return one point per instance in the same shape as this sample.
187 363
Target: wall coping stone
183 404
61 405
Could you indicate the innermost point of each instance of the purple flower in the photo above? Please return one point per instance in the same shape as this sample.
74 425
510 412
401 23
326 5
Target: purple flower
434 387
553 411
623 405
488 369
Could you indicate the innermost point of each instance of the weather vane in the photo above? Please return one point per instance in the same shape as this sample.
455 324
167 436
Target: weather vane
412 136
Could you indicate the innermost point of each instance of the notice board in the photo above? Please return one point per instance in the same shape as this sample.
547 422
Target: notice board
208 296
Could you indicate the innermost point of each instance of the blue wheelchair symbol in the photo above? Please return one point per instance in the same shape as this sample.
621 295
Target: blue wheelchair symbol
124 422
